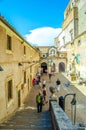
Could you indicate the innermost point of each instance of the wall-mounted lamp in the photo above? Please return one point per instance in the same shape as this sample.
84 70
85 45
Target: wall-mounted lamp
20 64
1 69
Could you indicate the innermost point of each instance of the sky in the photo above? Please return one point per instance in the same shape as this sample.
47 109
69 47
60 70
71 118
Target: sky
38 21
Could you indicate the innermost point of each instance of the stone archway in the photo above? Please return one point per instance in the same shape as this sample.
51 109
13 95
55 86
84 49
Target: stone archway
61 67
44 66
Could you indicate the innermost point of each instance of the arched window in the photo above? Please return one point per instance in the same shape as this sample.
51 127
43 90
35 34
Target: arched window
52 52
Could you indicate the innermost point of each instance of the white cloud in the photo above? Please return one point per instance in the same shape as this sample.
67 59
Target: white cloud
42 36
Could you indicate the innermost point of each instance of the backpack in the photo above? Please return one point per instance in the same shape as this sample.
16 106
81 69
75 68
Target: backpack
38 98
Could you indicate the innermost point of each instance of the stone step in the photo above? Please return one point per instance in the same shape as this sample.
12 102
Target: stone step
28 121
24 127
27 126
33 116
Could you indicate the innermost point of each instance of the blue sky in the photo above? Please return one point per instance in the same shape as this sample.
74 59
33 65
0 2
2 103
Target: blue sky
38 21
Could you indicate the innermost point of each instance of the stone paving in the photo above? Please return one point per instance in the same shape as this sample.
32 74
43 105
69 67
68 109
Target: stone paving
28 118
80 91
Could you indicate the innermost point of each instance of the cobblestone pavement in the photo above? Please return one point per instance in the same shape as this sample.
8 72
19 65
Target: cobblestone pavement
24 118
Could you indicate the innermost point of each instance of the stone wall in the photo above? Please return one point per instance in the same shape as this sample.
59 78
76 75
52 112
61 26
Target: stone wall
13 95
59 119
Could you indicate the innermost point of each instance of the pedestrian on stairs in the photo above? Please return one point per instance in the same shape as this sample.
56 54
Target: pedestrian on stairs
39 99
44 95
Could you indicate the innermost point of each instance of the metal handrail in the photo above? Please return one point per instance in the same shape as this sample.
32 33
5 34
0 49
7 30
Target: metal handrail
73 102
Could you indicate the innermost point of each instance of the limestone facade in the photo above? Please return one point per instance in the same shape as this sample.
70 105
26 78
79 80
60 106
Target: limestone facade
73 36
19 61
51 58
80 53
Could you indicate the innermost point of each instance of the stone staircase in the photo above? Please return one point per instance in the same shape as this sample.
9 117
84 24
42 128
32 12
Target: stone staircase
28 120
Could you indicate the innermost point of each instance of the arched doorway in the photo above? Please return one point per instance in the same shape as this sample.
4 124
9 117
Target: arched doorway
44 66
61 67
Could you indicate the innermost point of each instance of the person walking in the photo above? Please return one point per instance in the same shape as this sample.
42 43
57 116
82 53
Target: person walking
50 77
58 84
44 95
34 81
40 85
39 99
43 83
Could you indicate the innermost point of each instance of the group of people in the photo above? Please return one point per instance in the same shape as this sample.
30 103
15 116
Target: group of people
41 96
42 93
36 80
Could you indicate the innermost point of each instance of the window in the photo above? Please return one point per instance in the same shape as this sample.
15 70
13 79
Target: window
9 43
71 35
9 90
52 52
25 77
72 4
24 50
44 55
58 43
64 40
61 55
79 42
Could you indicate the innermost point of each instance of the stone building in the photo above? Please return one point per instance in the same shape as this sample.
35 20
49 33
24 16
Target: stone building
80 55
52 59
19 63
73 37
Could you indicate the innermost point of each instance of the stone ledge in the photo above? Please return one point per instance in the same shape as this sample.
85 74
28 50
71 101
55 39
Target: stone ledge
59 118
